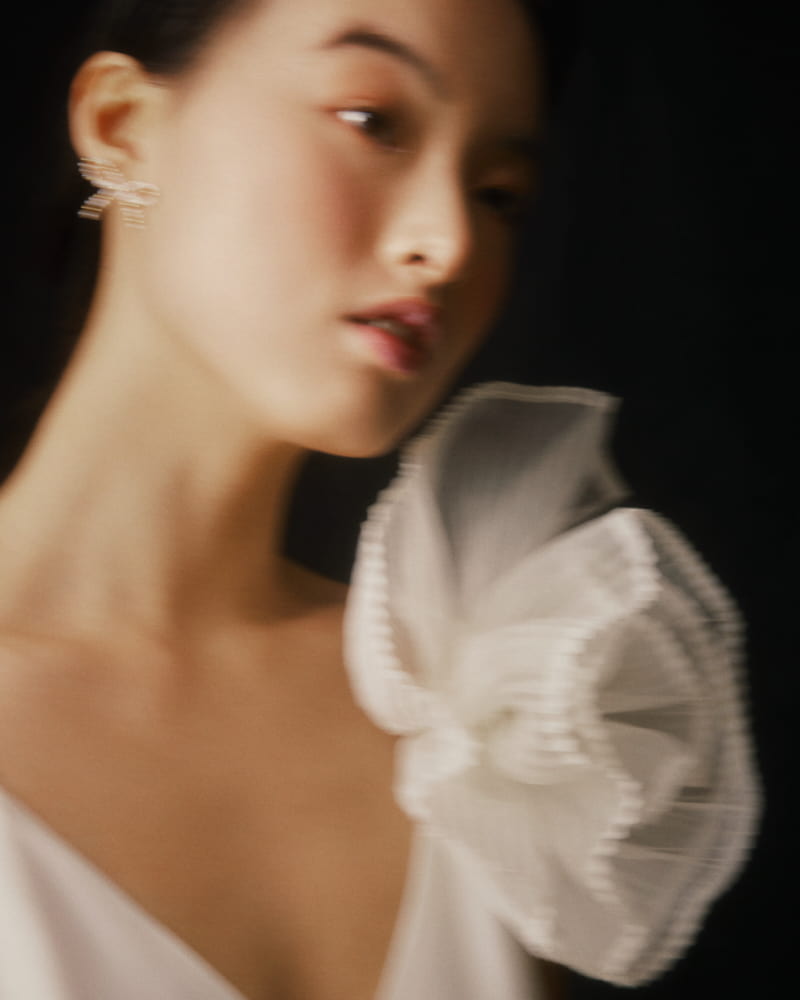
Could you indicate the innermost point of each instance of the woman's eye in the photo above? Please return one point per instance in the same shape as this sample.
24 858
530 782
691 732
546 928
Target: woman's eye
377 125
509 204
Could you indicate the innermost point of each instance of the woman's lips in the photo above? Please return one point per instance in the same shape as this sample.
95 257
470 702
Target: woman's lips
398 354
402 335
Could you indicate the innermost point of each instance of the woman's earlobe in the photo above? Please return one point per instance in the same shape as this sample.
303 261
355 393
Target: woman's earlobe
112 186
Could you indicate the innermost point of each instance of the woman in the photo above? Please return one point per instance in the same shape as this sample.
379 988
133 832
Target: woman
306 210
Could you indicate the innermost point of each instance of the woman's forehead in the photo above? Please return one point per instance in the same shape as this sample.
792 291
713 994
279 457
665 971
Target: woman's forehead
457 46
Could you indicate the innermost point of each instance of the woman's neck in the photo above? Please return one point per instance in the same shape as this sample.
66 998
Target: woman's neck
148 497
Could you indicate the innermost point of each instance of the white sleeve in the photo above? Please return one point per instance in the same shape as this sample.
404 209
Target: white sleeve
564 679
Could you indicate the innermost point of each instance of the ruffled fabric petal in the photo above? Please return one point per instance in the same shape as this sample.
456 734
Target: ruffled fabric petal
563 674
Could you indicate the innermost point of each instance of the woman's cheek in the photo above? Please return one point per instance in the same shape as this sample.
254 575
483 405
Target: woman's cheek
488 282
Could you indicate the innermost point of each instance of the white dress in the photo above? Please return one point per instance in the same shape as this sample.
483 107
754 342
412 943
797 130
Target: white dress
563 677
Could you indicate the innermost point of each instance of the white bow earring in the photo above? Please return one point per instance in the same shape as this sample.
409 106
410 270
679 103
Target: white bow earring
132 196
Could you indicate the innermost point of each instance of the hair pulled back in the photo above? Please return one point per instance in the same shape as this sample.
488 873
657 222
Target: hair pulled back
165 36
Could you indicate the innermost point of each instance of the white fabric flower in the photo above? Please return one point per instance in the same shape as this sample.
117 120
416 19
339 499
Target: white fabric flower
563 678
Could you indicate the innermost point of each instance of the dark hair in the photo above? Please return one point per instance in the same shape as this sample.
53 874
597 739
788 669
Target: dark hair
164 35
59 252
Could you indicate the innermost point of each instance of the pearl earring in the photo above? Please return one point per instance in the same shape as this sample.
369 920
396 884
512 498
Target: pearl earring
133 196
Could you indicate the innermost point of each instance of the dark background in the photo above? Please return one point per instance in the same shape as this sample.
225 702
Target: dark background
659 266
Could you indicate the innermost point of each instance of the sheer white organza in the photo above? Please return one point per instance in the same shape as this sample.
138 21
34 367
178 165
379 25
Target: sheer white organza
563 675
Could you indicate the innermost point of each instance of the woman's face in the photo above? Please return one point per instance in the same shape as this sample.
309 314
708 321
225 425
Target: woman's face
333 162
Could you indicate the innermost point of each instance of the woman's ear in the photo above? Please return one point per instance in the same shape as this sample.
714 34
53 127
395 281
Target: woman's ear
113 105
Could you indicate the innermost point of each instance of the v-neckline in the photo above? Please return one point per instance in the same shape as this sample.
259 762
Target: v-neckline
84 867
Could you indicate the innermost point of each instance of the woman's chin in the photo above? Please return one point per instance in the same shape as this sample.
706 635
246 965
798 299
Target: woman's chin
362 442
366 421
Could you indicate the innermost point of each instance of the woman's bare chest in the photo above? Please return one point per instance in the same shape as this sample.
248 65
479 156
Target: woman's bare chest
272 848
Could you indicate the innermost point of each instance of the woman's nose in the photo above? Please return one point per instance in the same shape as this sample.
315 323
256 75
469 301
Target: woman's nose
429 232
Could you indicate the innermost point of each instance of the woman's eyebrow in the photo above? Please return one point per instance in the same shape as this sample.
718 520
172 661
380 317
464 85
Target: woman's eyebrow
370 38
